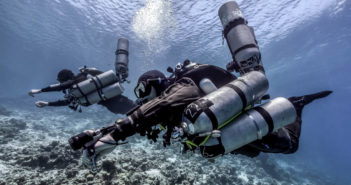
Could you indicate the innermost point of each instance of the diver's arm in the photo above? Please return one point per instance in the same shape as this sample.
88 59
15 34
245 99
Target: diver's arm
58 87
59 103
119 104
41 104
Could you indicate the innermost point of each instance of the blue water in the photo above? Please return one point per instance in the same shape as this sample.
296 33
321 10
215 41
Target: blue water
305 47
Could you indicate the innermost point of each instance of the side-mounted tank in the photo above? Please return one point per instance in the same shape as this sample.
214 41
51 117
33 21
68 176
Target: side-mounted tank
240 38
101 87
97 82
121 62
216 108
255 123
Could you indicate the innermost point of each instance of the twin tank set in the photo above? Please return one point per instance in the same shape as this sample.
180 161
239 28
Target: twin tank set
227 112
106 85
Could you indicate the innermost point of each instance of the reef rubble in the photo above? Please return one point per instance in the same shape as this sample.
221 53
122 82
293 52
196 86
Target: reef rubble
34 150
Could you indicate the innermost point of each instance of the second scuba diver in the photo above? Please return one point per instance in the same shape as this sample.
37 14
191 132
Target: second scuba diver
92 86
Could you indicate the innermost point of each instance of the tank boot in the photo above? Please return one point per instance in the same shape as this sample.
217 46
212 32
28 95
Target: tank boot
300 101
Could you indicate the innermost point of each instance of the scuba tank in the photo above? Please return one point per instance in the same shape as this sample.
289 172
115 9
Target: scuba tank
102 94
205 114
240 38
254 124
101 87
92 84
121 62
207 86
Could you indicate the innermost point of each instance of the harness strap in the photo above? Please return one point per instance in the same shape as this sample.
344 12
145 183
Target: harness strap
85 96
266 117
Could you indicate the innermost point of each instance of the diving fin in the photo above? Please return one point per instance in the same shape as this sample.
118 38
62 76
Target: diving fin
300 101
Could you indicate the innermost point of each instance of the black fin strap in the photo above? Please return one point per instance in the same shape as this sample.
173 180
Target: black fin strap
240 93
266 117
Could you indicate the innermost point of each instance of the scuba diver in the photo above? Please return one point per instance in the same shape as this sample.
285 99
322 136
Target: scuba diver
92 86
207 107
165 104
68 84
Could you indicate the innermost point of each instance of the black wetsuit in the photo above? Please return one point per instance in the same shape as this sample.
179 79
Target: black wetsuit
119 104
67 85
168 108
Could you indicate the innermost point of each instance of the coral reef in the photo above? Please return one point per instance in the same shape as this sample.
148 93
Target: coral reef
34 150
4 111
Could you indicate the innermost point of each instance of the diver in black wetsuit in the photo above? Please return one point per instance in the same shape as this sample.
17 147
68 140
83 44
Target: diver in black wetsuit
119 104
168 107
286 139
165 104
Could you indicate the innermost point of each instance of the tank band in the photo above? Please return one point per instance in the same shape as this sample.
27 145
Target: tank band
85 96
266 117
97 87
121 63
102 96
259 132
240 93
245 47
80 90
99 81
212 117
233 24
121 51
205 104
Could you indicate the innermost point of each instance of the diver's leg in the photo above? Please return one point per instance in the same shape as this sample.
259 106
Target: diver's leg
119 104
300 101
286 139
294 129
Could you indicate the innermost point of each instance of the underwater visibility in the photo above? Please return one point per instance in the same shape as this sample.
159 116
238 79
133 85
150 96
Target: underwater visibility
175 92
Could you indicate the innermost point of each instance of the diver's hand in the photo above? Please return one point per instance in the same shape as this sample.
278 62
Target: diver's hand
93 153
41 104
34 91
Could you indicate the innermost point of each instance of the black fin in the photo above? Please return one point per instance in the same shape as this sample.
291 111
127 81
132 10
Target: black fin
300 101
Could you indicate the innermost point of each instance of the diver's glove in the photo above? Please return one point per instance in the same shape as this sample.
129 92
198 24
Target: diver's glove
96 149
41 104
34 91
